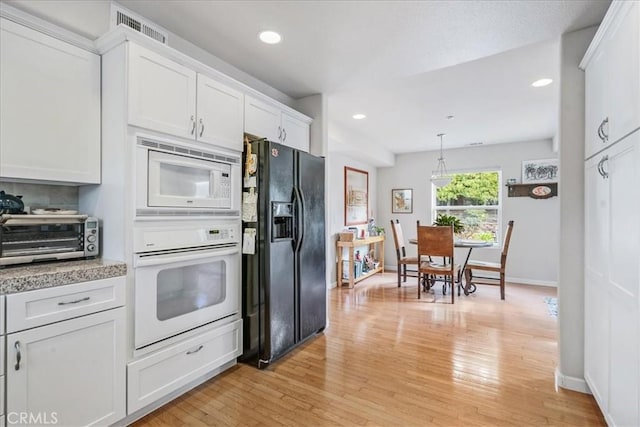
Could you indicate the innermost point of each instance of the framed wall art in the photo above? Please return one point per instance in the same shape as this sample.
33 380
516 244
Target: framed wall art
402 200
356 196
541 170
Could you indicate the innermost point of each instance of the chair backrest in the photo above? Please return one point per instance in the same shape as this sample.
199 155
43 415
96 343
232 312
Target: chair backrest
505 243
435 241
398 239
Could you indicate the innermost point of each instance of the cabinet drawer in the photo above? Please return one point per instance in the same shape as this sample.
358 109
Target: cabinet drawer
161 373
2 341
43 306
2 395
1 317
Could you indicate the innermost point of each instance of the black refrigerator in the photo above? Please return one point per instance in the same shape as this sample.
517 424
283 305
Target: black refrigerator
284 281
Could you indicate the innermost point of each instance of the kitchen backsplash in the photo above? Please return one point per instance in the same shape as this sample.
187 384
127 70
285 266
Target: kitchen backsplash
43 196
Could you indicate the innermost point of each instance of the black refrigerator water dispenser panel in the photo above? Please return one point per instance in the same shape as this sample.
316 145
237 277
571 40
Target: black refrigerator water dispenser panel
281 221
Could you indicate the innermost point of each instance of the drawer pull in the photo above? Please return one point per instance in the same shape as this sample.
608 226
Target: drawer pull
74 302
18 355
196 350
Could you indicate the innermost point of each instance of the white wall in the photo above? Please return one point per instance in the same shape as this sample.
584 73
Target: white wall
336 162
534 248
571 153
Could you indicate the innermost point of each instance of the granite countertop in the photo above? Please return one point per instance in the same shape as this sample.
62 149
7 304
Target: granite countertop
45 275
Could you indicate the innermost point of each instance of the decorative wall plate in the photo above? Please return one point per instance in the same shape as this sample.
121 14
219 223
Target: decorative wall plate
541 192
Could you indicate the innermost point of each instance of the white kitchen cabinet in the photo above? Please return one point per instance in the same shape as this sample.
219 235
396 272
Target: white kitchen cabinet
73 370
220 114
168 97
612 280
267 120
49 108
612 89
165 371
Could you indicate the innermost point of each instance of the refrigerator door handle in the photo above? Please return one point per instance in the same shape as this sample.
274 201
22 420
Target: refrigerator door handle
299 218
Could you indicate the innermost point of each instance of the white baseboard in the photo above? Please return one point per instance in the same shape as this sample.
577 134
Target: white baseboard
571 383
534 282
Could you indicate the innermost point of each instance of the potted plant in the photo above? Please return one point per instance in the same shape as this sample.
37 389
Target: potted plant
444 219
379 230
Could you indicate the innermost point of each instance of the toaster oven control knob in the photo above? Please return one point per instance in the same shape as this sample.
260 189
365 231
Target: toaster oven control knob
91 238
91 248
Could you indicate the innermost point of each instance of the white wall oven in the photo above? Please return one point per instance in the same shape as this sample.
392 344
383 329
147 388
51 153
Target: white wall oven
185 277
177 180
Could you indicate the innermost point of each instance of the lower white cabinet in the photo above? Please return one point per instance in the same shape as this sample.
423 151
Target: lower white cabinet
612 281
71 372
165 371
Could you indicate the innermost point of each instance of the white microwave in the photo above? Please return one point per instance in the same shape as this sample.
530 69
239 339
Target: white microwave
176 180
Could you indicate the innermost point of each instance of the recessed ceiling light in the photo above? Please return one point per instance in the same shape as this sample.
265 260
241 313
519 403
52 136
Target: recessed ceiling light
450 117
270 37
541 82
359 116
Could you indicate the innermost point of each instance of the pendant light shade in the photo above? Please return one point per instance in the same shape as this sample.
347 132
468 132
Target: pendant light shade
440 177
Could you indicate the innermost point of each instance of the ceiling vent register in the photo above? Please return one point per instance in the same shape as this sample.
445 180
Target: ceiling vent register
120 15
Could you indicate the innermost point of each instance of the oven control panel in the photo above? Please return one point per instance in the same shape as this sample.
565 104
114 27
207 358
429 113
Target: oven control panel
168 237
226 233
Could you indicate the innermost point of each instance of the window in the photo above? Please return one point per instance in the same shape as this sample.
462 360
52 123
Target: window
474 198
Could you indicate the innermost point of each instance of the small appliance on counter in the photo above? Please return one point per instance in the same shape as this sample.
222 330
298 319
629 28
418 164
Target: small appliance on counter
26 238
10 204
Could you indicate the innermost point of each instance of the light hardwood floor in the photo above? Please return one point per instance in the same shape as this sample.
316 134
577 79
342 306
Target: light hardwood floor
389 359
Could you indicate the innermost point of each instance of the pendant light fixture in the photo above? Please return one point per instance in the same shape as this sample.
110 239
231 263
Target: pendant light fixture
440 177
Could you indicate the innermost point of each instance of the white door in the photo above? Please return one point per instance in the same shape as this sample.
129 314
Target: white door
623 71
295 132
49 108
72 370
262 119
596 300
181 290
596 82
220 114
624 280
162 93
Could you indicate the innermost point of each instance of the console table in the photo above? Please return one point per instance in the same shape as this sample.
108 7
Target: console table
371 242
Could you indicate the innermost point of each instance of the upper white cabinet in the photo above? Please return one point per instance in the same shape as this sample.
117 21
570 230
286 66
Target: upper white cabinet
612 67
269 121
168 97
49 108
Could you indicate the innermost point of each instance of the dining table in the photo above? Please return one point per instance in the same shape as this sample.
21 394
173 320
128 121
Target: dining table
469 244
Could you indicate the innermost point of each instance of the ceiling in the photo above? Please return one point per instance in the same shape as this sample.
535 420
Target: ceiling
405 64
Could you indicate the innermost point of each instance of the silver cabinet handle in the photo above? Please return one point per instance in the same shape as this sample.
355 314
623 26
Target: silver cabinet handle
279 133
74 302
201 127
193 124
196 350
605 174
18 355
604 135
284 135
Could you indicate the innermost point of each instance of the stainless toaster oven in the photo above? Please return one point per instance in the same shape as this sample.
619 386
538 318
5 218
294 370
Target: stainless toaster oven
29 238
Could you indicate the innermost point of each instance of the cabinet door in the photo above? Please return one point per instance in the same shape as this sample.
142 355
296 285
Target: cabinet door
162 93
72 370
220 114
49 108
262 119
295 132
624 280
596 82
596 301
623 71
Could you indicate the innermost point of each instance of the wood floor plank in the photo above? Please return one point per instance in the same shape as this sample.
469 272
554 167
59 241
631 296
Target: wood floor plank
389 359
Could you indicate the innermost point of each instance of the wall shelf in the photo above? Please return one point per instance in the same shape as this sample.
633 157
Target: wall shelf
535 191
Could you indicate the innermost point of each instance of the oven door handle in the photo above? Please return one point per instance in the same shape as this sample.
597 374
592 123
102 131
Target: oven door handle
149 260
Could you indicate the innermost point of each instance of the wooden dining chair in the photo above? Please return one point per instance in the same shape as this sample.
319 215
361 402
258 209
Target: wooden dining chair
434 243
401 255
490 266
